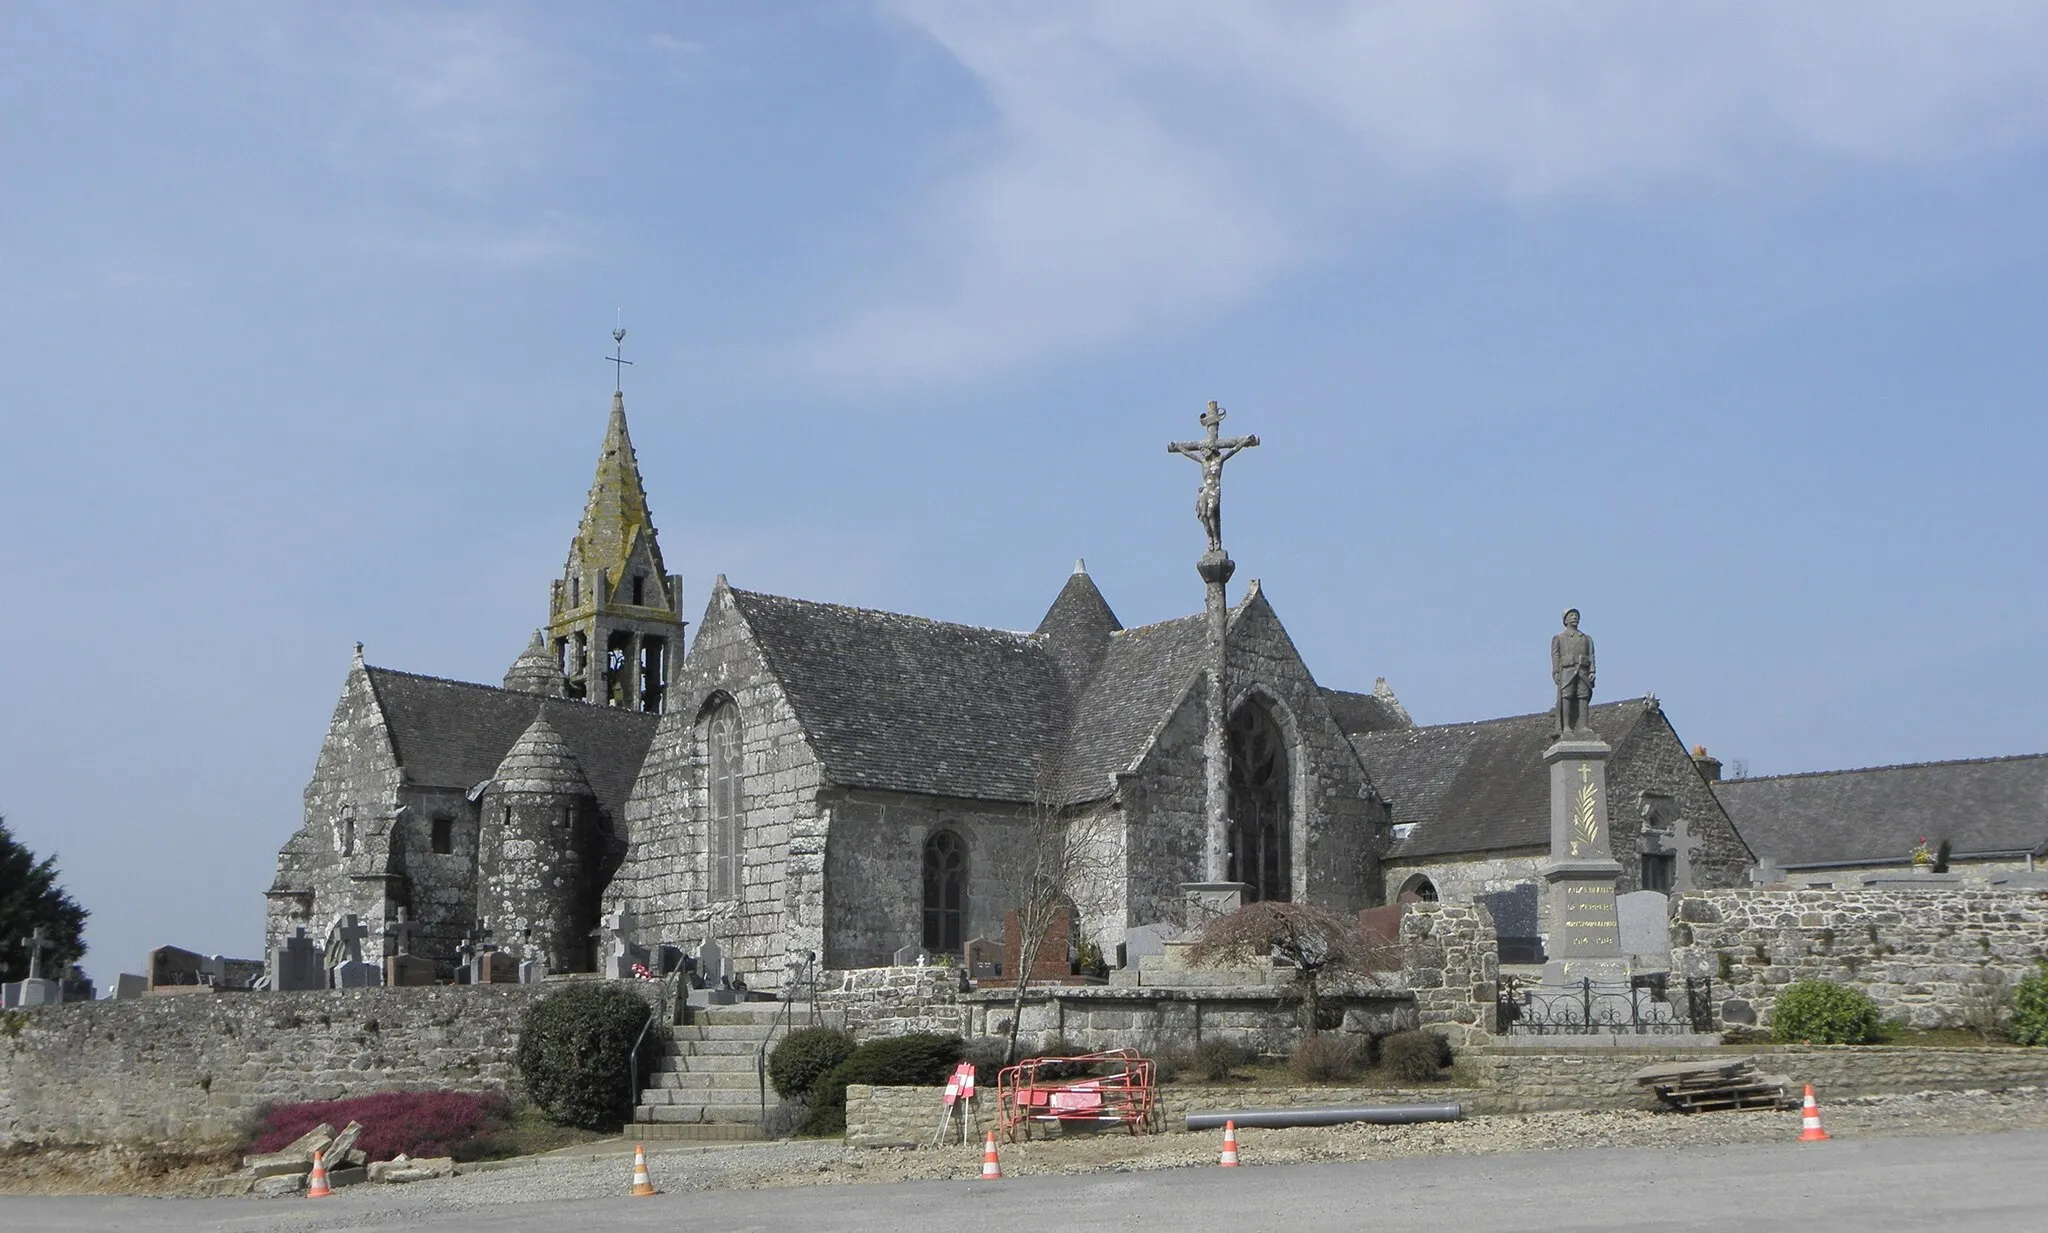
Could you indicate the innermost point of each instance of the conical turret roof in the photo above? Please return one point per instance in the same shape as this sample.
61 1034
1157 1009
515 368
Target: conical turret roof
1079 625
535 672
540 761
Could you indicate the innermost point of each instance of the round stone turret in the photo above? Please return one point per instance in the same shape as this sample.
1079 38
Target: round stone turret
535 671
538 833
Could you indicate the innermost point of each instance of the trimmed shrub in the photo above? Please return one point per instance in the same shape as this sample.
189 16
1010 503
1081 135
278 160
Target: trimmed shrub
458 1124
1326 1058
1415 1056
1822 1012
2029 1024
892 1061
575 1049
989 1055
805 1054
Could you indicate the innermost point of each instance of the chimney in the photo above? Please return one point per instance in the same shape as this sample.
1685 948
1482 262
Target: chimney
1710 766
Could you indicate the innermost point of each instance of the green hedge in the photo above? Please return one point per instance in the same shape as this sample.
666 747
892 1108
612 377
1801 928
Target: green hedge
575 1050
805 1054
893 1061
2030 1008
1822 1012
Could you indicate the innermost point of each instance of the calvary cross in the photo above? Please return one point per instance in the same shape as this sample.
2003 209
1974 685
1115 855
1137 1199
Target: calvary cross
1212 452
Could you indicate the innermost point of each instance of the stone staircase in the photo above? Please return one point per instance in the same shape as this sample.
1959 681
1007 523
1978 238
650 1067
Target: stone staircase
705 1085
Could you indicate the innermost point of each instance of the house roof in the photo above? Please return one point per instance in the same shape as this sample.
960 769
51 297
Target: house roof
453 734
1476 787
1981 805
906 704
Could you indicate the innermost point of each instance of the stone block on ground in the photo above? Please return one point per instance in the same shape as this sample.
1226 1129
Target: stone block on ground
279 1186
404 1170
298 1154
349 1176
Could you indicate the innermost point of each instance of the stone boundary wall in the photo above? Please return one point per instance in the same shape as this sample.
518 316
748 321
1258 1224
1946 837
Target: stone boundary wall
1929 957
152 1069
1108 1017
906 1116
1450 961
893 1001
1518 1082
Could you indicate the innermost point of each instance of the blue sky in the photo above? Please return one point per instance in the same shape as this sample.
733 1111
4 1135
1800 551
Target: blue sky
1723 322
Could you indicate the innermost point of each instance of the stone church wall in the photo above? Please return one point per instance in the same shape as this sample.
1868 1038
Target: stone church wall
1163 802
779 913
1653 759
1928 957
144 1070
356 778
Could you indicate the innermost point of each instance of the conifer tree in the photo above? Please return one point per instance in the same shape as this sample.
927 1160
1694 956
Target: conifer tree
30 896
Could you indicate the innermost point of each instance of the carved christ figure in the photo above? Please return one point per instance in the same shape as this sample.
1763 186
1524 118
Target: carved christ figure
1212 452
1571 666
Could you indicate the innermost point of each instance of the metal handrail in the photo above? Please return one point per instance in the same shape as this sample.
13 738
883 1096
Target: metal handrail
660 1010
784 1016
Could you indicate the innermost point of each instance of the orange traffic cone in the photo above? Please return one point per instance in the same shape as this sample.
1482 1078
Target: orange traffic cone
1229 1160
991 1164
316 1185
643 1185
1810 1131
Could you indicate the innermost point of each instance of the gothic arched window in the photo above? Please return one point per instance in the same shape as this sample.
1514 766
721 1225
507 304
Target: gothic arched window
945 893
1260 805
727 821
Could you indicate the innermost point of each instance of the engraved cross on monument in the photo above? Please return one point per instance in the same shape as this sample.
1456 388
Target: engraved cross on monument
1217 894
1584 926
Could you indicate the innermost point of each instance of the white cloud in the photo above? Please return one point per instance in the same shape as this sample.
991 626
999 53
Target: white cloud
1158 158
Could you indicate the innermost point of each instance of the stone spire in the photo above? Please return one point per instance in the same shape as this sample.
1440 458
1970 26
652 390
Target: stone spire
535 671
615 616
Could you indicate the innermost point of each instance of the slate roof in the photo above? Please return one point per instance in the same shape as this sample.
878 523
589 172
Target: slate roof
1358 713
453 734
1143 674
1983 805
906 704
1476 787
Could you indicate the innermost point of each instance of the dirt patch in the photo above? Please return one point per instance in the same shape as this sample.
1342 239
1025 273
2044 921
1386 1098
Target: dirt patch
113 1169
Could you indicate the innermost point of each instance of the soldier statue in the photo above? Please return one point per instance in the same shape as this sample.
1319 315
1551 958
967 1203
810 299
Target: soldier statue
1571 666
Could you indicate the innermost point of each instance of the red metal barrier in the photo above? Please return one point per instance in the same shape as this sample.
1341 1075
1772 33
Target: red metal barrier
1117 1087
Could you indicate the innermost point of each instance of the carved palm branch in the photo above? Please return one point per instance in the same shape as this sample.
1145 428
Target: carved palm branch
1585 818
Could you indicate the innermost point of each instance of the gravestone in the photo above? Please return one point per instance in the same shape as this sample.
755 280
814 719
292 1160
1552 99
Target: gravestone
620 952
911 957
1052 961
1646 929
174 967
984 960
402 968
130 985
296 966
1146 940
1518 922
712 966
495 967
530 972
22 994
78 986
353 972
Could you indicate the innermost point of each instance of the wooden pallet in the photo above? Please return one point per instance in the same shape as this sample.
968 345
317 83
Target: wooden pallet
1706 1086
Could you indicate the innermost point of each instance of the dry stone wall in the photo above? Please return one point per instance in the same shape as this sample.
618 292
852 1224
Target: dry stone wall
195 1067
893 1001
1929 957
1450 962
1098 1017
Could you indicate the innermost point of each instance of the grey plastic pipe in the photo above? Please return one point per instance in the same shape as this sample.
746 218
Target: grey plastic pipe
1379 1115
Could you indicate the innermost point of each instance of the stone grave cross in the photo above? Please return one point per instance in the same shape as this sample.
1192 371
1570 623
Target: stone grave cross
37 944
352 933
399 934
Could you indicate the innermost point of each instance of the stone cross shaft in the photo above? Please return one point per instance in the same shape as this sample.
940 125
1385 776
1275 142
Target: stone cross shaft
1215 567
37 944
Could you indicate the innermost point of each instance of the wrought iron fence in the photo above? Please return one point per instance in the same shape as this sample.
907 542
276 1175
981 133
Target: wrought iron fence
1644 1007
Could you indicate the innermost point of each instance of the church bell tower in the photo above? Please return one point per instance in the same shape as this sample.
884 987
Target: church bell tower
615 615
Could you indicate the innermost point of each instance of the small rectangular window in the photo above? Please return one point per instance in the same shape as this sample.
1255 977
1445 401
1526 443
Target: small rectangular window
639 589
1660 871
444 836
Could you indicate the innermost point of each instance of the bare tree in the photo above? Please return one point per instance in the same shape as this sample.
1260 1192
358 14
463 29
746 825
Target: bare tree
1061 858
1321 944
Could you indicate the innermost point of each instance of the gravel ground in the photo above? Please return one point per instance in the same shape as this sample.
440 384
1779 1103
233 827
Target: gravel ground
588 1173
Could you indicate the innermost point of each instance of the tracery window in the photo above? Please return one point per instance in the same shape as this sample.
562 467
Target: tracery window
1260 805
945 893
727 820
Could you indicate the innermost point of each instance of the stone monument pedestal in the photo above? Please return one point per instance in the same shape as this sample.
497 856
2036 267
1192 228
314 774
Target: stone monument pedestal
1584 925
1207 901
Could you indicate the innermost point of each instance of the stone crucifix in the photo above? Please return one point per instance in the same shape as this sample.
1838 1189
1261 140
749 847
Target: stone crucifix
1215 567
37 944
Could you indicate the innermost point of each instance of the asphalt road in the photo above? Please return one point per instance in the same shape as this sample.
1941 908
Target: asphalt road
1961 1184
